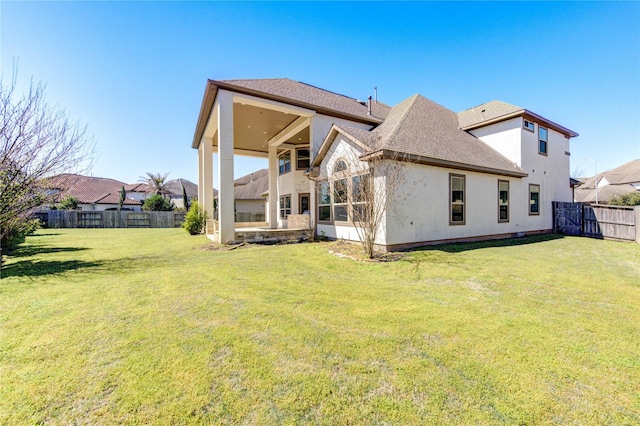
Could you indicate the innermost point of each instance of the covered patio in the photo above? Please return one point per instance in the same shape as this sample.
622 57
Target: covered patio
282 120
238 122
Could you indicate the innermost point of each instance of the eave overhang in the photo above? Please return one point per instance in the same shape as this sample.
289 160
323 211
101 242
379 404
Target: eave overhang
211 91
328 141
429 161
528 115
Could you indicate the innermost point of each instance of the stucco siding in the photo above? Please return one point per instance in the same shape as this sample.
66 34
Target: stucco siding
320 126
420 211
250 206
504 137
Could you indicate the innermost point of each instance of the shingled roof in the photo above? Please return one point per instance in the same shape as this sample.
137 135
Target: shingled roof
175 187
627 173
87 189
489 111
496 111
420 130
294 93
114 198
618 181
251 186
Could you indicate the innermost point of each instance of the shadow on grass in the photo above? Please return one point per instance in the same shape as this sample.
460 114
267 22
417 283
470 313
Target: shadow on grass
509 242
47 234
34 250
31 268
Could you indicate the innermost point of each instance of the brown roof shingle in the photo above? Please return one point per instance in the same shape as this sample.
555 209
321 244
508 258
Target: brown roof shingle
311 96
420 130
251 186
87 189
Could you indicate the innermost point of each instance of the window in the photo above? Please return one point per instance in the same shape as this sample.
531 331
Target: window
340 166
302 159
503 201
324 202
359 197
542 136
340 194
528 125
285 206
303 204
284 162
534 199
456 191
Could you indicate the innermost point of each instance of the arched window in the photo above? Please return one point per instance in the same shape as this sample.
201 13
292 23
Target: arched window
340 166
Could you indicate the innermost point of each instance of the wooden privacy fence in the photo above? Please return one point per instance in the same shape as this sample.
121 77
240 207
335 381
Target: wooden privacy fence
597 221
110 219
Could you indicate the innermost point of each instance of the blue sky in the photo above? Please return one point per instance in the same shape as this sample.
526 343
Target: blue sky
135 72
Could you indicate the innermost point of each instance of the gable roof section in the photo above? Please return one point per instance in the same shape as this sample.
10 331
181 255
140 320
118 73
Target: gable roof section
293 93
627 173
419 130
496 111
587 193
174 187
136 187
87 189
251 186
114 198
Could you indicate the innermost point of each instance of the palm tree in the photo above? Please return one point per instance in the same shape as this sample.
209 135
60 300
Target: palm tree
156 183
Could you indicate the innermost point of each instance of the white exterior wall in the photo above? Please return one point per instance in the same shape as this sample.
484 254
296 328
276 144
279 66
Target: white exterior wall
505 137
138 196
292 183
420 212
250 206
320 126
343 149
103 207
550 171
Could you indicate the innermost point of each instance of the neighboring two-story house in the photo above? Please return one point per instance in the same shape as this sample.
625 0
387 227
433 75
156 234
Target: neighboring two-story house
488 172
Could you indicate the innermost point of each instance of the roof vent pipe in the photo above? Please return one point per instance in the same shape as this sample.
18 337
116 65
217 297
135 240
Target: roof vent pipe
369 106
375 92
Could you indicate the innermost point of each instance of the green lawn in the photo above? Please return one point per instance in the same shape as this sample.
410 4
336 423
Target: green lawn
145 326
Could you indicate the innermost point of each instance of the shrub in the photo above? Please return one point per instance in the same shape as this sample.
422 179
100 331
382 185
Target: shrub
16 235
157 203
194 220
69 203
630 199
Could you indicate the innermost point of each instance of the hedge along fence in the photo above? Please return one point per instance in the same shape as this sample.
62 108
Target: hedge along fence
110 219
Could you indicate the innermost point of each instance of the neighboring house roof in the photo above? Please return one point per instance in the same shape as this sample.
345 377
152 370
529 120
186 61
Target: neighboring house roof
294 93
114 198
175 187
87 189
627 173
136 187
422 131
587 194
618 181
251 186
496 111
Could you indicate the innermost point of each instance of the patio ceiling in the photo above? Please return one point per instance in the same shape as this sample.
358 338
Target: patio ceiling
254 127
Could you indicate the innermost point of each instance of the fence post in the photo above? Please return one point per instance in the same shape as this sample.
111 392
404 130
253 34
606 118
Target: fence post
636 211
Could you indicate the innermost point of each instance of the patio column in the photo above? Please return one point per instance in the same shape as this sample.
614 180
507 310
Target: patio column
205 176
226 216
273 187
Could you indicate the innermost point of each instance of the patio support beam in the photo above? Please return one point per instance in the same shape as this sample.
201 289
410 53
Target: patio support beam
226 216
273 187
205 176
290 131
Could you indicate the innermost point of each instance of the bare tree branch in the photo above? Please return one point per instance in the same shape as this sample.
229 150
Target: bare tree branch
37 142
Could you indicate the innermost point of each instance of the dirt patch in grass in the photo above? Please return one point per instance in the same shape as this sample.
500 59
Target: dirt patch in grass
353 251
